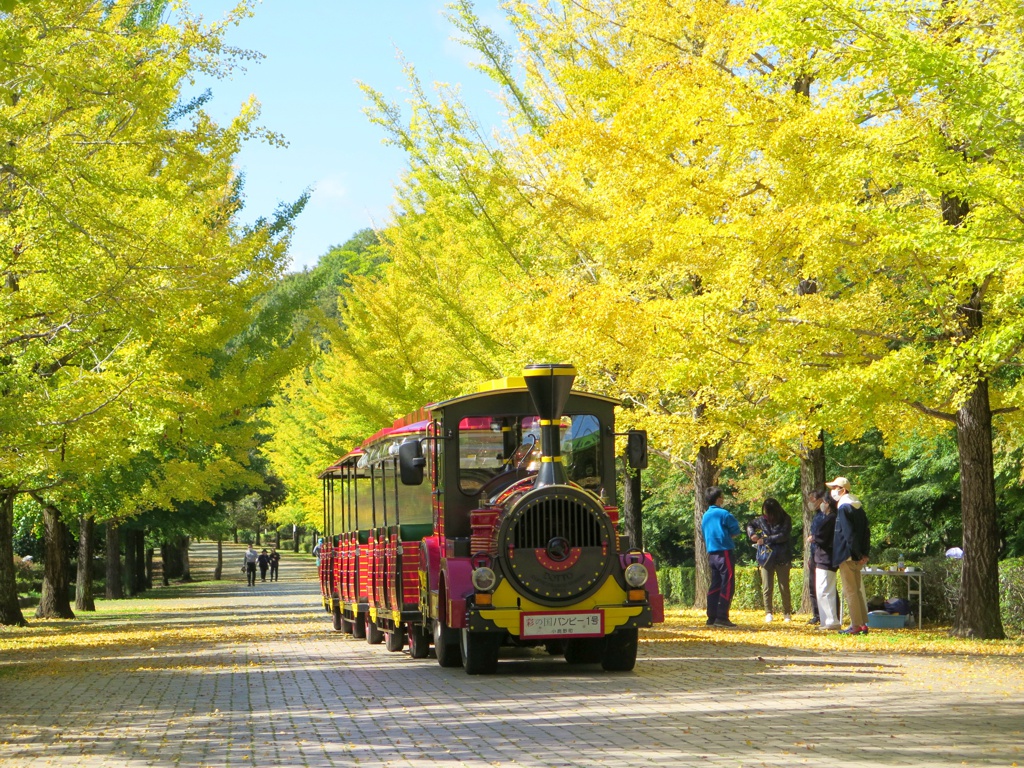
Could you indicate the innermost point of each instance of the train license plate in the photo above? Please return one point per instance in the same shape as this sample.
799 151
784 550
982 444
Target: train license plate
563 624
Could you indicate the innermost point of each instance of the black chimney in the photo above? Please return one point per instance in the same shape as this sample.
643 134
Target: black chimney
549 385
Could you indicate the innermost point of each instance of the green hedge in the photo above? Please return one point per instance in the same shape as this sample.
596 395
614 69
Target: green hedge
940 587
677 585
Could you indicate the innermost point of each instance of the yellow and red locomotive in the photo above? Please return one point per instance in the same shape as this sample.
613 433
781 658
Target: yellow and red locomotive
489 520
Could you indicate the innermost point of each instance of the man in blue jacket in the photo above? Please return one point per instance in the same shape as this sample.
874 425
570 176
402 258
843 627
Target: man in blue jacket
720 528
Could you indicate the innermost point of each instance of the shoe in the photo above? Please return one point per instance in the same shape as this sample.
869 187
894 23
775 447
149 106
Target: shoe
787 618
725 623
814 620
768 618
852 630
710 623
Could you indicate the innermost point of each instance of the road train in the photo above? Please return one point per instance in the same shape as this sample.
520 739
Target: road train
490 520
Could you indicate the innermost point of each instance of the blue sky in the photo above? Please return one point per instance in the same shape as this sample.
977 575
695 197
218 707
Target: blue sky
315 51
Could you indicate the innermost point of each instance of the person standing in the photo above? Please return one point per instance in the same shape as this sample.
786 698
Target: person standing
316 550
720 529
850 548
823 529
264 562
275 562
771 533
814 502
251 559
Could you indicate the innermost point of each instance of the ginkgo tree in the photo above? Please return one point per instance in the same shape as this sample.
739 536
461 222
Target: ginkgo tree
126 273
762 222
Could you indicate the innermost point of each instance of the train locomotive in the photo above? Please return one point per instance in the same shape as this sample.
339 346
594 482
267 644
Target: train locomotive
486 521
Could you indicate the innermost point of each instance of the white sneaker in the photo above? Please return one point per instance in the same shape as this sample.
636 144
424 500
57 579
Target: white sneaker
768 618
787 618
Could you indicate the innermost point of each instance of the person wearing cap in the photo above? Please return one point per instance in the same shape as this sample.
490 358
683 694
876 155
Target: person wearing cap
720 529
851 545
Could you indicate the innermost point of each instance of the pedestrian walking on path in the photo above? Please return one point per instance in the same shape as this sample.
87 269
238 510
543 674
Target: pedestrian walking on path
263 561
251 558
275 562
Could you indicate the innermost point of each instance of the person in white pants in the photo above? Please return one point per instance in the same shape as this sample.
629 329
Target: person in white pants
824 570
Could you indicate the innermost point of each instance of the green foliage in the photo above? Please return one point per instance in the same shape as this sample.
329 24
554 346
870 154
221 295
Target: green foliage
1011 593
667 499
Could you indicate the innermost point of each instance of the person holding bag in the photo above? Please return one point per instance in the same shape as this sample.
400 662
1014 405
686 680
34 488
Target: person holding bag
771 533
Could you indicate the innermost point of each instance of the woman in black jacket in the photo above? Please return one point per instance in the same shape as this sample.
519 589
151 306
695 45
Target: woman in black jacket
823 531
771 532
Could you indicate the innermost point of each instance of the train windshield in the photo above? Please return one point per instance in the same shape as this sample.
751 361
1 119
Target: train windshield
491 446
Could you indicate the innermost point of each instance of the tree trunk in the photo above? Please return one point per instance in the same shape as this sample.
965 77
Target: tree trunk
149 567
977 613
257 537
83 581
186 566
141 582
632 523
277 538
54 603
135 561
170 553
220 559
812 478
10 610
234 533
114 589
705 475
295 538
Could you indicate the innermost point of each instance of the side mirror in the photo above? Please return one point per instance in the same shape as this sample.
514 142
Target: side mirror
636 448
411 462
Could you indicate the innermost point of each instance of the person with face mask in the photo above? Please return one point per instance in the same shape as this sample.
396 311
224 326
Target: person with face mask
850 547
823 529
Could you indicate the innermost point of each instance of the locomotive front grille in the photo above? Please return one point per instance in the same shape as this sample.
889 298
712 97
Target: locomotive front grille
548 518
558 544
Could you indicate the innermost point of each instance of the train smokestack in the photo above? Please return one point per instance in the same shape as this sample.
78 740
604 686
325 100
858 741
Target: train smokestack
549 385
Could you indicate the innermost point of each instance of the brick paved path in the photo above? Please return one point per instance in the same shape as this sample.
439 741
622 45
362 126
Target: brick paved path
221 674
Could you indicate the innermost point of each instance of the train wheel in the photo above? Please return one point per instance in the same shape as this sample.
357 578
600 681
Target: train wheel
480 651
419 642
358 627
446 645
395 640
620 650
373 634
346 625
585 650
336 615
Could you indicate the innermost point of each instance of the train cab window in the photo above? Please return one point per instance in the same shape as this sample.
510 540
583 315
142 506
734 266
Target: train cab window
490 446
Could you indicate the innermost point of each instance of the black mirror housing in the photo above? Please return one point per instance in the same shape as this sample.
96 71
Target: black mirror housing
636 448
411 462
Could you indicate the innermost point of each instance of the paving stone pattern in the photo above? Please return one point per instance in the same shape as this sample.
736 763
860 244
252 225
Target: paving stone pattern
312 697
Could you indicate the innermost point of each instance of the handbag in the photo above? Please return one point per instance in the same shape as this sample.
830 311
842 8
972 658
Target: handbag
764 554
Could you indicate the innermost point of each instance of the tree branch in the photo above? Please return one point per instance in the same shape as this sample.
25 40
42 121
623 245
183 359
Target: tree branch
931 411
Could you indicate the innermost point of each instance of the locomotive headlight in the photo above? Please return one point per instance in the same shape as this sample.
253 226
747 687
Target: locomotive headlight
636 574
484 579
